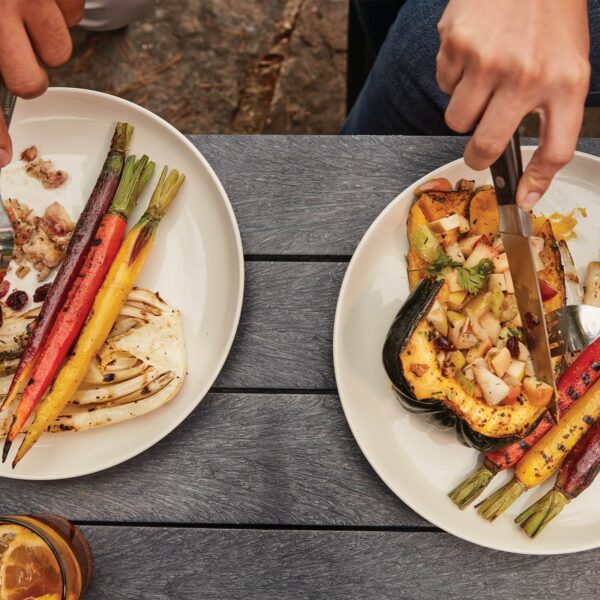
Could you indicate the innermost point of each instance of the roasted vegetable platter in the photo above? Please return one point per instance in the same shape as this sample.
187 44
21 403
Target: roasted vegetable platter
433 371
120 330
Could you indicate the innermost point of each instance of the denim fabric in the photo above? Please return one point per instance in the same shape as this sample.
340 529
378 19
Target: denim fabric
401 95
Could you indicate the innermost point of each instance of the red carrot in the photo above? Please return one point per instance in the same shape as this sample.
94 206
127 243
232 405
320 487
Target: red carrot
572 384
85 229
79 302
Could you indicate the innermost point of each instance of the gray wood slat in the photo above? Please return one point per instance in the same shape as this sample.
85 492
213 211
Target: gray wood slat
239 458
173 564
285 334
318 194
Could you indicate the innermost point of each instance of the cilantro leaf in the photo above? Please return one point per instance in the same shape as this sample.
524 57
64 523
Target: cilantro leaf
472 279
440 263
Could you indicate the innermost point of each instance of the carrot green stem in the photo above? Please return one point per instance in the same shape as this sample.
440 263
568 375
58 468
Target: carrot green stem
136 174
499 501
533 519
165 192
468 490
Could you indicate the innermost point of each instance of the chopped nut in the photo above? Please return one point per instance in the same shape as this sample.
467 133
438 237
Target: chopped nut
22 271
29 154
419 369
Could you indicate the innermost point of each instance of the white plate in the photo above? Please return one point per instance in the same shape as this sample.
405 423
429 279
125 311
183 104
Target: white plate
419 463
196 263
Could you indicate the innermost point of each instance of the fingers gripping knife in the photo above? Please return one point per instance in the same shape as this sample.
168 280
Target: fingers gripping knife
7 105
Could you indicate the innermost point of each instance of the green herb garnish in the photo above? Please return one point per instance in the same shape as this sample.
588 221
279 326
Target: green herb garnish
440 263
472 280
515 331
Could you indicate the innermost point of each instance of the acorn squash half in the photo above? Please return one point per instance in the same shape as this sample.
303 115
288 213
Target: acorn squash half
411 338
477 424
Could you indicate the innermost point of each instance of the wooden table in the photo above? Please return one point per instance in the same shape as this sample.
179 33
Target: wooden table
262 492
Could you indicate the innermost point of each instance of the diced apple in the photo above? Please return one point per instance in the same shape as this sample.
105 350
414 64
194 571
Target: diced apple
440 357
510 288
516 369
501 362
478 330
467 244
437 318
509 308
451 278
456 324
503 337
491 325
525 356
454 252
500 263
480 252
511 381
479 350
456 299
539 265
498 244
468 371
493 388
537 243
538 392
467 341
445 224
465 227
516 321
497 281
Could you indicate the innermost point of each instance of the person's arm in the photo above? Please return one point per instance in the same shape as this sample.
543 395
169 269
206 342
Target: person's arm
33 34
500 61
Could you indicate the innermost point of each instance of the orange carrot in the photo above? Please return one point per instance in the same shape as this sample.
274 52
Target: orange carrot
70 320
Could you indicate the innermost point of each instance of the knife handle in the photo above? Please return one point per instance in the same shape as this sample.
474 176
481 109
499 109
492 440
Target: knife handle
507 172
7 102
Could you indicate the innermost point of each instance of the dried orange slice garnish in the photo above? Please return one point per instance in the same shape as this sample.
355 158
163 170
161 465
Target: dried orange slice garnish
28 569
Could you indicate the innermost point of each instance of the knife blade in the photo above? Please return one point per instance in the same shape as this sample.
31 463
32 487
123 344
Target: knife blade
515 230
7 105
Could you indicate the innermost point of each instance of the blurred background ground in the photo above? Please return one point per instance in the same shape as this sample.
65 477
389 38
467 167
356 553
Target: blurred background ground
232 66
225 66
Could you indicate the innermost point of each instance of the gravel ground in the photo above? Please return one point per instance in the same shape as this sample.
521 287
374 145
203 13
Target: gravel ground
225 66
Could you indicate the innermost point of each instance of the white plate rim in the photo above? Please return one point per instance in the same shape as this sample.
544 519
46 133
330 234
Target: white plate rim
201 393
455 531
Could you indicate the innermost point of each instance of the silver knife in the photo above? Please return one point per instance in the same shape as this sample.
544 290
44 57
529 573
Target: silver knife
7 239
515 229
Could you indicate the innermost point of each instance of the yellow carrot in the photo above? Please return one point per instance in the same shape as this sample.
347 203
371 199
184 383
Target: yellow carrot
108 303
546 456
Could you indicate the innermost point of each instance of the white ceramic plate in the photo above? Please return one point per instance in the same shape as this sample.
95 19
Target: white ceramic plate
419 463
196 263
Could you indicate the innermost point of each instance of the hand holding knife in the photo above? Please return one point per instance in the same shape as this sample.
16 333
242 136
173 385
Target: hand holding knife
515 229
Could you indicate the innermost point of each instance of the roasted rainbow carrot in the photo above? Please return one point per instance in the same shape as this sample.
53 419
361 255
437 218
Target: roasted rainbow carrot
576 474
84 232
105 310
71 318
572 384
546 455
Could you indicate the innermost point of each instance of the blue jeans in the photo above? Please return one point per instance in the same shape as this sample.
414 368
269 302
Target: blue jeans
401 95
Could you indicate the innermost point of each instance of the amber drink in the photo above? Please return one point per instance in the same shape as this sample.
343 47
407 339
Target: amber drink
42 557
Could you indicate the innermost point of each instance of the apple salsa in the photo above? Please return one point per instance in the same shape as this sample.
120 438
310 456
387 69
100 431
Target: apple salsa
479 331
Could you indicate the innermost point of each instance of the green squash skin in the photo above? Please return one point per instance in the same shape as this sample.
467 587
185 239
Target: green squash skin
411 313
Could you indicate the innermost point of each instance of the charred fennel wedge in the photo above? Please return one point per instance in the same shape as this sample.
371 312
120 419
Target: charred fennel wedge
139 368
456 348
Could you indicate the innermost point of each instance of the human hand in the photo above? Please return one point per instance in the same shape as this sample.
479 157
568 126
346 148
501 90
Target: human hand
500 61
33 34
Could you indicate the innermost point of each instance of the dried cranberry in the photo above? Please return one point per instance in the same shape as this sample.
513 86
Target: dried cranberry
17 300
41 292
531 320
513 346
4 287
442 344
